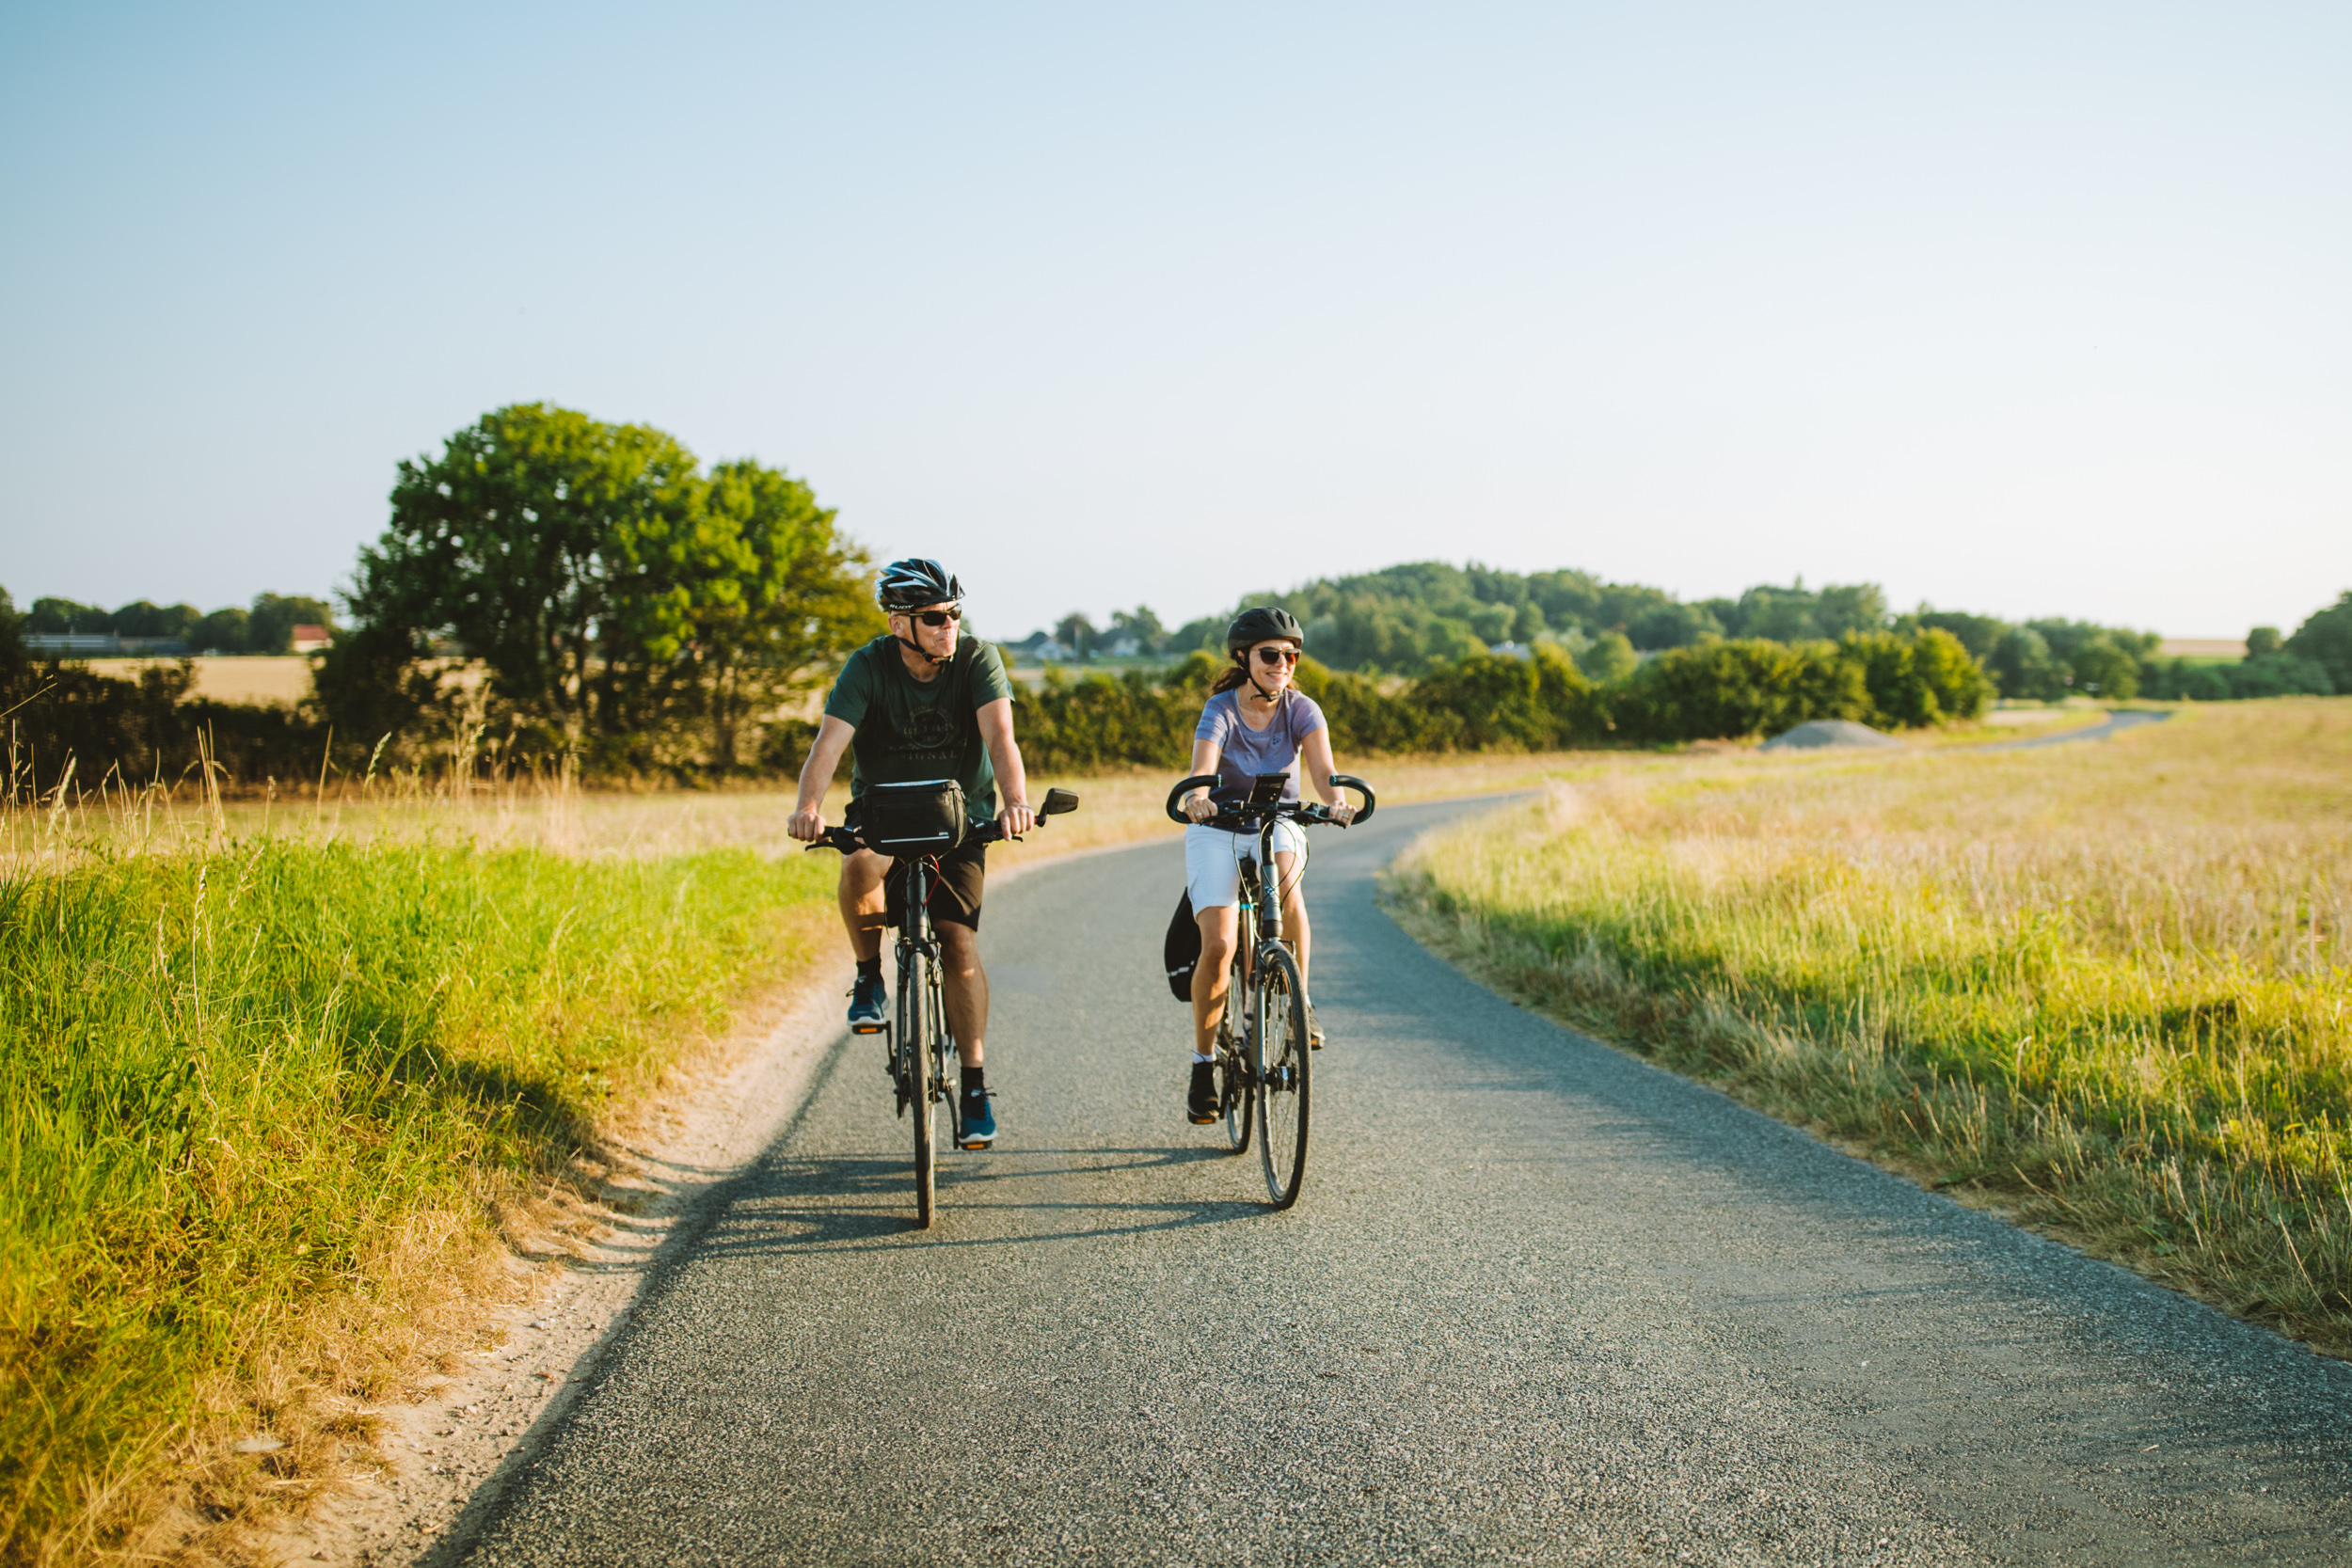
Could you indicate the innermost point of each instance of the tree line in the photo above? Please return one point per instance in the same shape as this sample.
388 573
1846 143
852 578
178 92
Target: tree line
267 627
1725 689
1406 619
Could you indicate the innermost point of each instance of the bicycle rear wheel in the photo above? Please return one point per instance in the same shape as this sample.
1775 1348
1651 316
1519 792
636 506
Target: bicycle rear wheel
917 1019
1279 1052
1237 1091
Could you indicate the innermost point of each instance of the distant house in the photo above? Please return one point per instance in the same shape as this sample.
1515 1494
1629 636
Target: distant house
1507 649
1049 652
83 642
310 639
1126 647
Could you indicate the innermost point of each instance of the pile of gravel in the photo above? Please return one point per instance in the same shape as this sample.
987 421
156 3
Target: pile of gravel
1829 732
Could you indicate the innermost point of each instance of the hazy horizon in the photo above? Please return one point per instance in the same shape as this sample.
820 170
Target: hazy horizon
2021 310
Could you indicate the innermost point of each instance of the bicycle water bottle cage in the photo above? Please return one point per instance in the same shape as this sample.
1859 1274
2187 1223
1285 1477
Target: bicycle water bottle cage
924 817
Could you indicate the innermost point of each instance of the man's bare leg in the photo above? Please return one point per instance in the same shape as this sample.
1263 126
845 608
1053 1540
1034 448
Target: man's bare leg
966 985
862 906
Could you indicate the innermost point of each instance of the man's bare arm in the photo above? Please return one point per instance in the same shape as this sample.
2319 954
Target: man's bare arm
1004 754
809 809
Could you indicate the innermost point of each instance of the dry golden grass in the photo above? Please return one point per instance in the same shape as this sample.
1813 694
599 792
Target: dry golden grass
2107 983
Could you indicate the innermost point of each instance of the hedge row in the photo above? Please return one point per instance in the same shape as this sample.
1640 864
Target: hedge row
1716 690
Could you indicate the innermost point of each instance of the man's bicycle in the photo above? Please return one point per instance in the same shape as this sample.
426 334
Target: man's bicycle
921 1051
1263 1073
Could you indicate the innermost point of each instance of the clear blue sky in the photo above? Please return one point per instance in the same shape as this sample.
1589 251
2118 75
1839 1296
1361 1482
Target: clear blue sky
2029 307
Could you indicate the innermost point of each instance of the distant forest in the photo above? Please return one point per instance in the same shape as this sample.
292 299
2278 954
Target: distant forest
1404 619
267 627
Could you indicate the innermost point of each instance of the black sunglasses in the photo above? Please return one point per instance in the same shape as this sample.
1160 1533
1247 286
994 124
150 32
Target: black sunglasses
1277 655
937 617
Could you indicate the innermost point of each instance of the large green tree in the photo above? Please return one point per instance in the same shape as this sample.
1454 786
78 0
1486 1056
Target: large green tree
2325 637
616 594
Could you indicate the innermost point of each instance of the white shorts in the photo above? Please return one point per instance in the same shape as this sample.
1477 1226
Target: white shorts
1212 861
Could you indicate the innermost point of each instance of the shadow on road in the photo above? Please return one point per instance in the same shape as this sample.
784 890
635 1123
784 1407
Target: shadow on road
850 1202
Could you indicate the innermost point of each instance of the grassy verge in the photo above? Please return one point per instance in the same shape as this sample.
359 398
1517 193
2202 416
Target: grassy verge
2103 987
260 1102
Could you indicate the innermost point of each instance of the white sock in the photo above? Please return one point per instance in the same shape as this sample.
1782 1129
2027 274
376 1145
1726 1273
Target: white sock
1198 1059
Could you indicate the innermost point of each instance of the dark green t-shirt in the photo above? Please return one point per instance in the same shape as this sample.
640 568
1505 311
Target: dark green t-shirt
909 729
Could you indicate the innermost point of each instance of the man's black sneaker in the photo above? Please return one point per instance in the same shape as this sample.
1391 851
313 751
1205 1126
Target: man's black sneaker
980 1123
1201 1105
867 1000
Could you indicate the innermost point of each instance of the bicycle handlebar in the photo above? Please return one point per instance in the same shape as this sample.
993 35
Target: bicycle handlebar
1246 814
1057 801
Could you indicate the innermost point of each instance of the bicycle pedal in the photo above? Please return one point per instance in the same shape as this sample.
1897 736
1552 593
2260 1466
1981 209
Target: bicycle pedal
866 1028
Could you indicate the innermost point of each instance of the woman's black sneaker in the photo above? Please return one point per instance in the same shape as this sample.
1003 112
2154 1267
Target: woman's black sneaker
1202 1104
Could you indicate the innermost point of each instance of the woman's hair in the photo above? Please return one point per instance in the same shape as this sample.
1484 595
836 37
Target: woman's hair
1233 675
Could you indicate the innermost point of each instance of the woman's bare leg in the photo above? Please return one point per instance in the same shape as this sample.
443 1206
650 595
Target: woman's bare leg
1211 976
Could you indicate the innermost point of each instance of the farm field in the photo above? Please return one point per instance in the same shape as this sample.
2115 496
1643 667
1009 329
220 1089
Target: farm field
2103 989
253 678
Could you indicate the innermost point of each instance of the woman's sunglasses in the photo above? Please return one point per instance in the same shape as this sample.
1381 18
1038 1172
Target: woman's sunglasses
1277 655
937 617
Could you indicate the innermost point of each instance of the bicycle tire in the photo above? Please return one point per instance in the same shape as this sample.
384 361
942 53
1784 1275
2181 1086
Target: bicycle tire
1237 1093
913 1026
945 1074
1279 1057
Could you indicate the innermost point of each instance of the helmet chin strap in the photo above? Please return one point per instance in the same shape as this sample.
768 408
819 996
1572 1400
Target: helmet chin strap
935 659
1250 674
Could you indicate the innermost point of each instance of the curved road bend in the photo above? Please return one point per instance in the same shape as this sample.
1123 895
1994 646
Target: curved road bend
1539 1303
2118 720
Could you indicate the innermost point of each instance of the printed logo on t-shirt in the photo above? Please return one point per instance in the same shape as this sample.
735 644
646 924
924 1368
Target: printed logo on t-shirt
930 730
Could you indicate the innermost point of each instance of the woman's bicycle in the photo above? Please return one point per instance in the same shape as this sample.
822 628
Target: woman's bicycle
922 1052
1263 1073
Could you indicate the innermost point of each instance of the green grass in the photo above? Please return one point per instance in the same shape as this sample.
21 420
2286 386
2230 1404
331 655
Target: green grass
2105 987
256 1102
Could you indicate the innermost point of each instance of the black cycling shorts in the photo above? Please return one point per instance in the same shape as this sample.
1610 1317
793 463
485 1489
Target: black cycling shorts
955 888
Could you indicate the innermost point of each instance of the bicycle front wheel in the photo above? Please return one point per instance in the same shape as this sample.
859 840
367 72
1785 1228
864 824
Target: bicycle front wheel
917 1019
1277 1051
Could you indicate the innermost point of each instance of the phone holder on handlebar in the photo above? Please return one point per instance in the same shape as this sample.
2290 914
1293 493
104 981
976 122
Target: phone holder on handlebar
1185 787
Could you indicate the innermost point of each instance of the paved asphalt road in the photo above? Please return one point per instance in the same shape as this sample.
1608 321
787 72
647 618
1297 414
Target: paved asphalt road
2118 720
1539 1303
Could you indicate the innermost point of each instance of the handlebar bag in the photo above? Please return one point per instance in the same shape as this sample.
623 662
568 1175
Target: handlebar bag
1181 951
924 817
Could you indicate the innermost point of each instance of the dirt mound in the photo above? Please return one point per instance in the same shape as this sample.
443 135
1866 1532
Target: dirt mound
1829 732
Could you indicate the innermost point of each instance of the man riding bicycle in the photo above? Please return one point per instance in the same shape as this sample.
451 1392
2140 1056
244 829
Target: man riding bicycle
915 704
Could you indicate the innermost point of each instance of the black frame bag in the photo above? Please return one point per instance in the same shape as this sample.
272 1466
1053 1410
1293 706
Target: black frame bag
923 817
1181 951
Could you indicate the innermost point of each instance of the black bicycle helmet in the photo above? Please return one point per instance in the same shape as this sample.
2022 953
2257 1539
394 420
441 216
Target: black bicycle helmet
1265 623
915 583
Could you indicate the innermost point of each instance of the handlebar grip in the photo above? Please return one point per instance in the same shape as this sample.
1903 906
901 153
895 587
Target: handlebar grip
1175 812
1364 813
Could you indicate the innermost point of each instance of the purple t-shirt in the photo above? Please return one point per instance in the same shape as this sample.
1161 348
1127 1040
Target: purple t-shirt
1242 753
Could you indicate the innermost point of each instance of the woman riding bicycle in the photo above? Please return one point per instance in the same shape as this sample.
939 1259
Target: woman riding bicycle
1255 721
